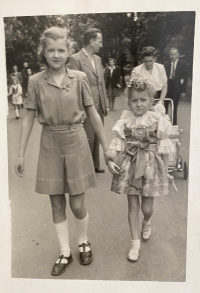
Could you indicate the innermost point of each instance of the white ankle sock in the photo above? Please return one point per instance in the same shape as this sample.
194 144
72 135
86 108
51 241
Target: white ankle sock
82 225
135 243
63 237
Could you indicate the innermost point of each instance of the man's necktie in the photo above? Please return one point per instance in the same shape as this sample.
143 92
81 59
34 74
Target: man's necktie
173 71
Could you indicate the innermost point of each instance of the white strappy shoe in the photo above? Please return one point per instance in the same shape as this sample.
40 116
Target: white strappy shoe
134 253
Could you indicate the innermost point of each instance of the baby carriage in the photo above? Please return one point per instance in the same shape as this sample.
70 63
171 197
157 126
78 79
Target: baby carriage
175 160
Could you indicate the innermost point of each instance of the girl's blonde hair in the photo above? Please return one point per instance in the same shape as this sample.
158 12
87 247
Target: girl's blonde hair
139 83
54 33
15 78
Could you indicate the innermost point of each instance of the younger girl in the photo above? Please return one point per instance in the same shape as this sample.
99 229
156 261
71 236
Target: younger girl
16 93
138 158
61 97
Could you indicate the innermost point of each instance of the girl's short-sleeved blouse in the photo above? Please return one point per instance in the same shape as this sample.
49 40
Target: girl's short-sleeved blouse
59 105
157 78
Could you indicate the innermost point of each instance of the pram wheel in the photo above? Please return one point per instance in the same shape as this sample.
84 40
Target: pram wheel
185 171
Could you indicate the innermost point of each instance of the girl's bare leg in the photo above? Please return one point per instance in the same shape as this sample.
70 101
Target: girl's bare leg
16 111
147 209
133 218
77 204
58 204
133 215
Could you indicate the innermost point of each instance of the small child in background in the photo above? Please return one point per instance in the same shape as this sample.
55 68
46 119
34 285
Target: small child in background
16 93
138 157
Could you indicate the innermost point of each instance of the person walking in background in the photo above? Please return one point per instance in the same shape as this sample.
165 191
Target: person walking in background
88 62
153 72
16 94
177 74
16 74
65 165
121 60
28 73
24 78
112 81
138 158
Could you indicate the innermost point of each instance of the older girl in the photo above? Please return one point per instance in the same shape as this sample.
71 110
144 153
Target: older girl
61 97
139 156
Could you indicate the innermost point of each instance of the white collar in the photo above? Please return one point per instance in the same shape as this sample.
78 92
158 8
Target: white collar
87 53
111 67
175 62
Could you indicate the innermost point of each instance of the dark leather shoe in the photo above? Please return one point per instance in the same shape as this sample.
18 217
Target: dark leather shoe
85 257
99 170
59 267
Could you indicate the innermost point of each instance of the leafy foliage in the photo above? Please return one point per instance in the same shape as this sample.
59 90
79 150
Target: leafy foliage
123 38
22 37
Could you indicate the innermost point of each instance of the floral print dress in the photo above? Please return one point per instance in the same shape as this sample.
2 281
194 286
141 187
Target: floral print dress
137 148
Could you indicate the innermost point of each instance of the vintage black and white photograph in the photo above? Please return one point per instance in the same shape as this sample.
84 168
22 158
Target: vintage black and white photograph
100 129
98 125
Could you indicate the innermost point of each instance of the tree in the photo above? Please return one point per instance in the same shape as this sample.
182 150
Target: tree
166 29
123 36
22 37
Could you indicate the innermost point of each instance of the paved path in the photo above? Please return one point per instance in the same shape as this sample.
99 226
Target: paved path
34 242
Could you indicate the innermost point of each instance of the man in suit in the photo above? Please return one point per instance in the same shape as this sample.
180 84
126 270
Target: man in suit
24 77
177 74
112 81
86 60
16 73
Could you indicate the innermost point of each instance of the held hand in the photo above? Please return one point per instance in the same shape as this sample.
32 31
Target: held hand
119 86
113 168
160 102
19 167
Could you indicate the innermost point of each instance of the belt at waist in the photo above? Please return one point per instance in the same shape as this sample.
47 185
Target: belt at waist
63 127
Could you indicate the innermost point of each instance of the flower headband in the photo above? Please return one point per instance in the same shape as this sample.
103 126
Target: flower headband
138 82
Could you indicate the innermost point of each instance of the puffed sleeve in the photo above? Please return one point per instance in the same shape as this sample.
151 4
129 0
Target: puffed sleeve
118 129
86 94
116 146
164 128
118 142
160 108
31 101
165 145
19 89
